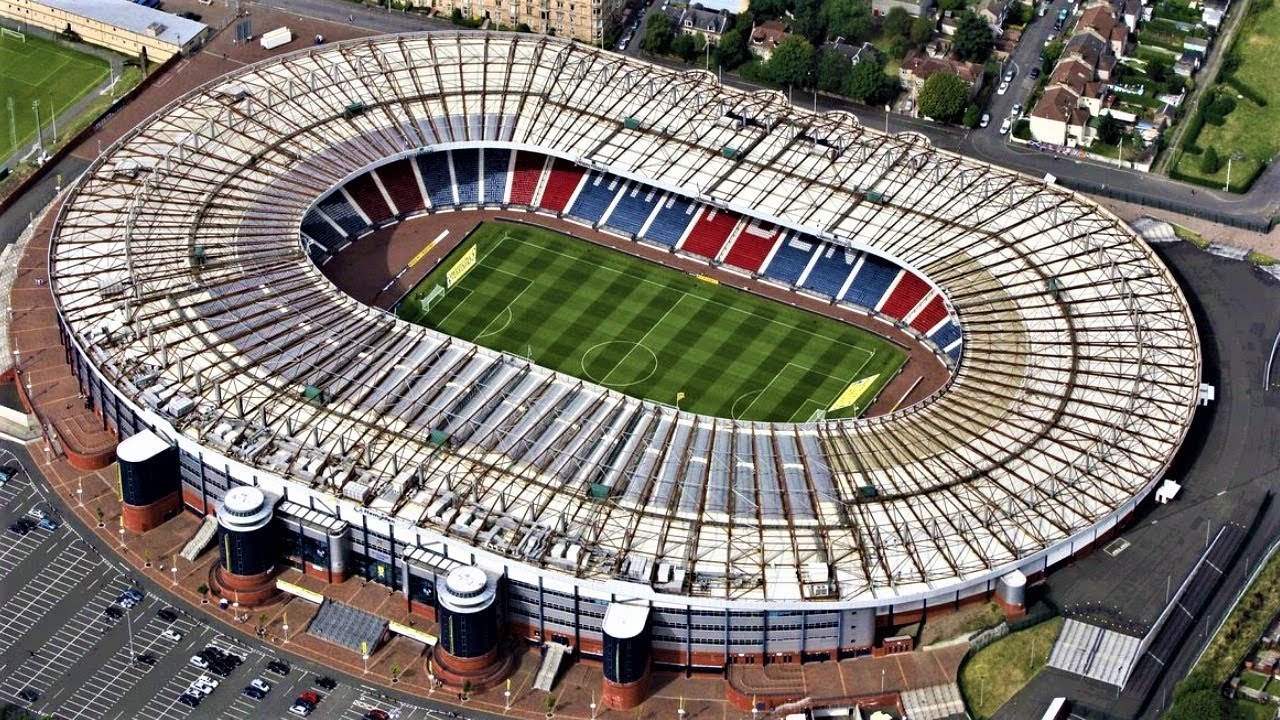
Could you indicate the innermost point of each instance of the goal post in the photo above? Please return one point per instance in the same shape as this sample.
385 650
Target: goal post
11 33
431 297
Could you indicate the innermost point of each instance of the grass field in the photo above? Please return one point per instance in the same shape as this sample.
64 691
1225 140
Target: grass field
40 70
1251 128
650 331
996 672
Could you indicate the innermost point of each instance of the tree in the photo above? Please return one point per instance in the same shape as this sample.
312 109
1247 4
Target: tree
202 589
1209 162
395 673
550 703
1050 56
466 689
973 41
921 32
687 46
972 116
867 81
791 63
769 9
1207 704
732 51
658 34
849 19
944 97
834 69
1158 68
897 22
1109 130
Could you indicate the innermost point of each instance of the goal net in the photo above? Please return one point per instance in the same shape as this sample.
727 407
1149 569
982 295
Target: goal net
430 298
6 32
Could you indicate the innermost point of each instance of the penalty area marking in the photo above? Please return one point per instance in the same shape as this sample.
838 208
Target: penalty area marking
760 393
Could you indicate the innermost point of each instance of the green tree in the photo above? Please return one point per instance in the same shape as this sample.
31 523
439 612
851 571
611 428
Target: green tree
921 32
1109 130
768 9
944 97
973 41
1207 704
658 34
792 62
834 68
972 116
1209 162
849 19
896 22
1159 68
688 46
732 51
1050 56
866 81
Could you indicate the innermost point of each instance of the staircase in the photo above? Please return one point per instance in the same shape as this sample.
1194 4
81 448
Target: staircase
201 540
550 668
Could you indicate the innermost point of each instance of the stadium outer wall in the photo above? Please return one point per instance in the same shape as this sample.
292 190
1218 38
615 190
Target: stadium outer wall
542 606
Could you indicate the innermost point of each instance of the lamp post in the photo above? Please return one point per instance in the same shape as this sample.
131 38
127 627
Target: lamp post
80 492
365 657
1235 155
285 628
35 108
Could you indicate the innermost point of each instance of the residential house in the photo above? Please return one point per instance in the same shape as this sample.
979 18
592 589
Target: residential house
766 37
1212 13
710 24
917 8
1076 89
1130 12
994 12
1058 118
916 68
1188 63
1195 44
855 53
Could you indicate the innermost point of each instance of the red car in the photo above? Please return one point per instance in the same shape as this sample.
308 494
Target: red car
310 697
376 714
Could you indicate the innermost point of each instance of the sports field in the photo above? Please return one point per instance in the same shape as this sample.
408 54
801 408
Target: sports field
40 70
649 331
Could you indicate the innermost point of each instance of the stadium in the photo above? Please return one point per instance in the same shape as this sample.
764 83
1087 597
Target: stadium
506 497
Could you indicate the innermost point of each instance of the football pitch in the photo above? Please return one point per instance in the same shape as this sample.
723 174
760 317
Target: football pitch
649 331
40 70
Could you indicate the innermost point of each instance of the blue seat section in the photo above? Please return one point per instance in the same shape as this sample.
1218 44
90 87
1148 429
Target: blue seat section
594 198
341 212
317 254
435 177
792 258
874 277
955 352
633 209
319 229
497 168
466 170
946 334
669 224
831 270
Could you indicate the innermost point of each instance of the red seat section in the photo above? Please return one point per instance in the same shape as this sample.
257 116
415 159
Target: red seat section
366 194
905 296
524 181
561 183
932 314
710 232
752 246
402 186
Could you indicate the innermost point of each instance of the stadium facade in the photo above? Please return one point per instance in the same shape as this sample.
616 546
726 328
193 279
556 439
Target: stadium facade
191 312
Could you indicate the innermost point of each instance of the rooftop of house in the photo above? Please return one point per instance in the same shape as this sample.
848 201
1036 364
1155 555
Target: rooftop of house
922 67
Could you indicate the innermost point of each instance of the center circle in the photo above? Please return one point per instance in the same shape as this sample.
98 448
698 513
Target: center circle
619 363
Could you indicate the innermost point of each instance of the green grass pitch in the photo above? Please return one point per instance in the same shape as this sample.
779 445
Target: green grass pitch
41 70
650 331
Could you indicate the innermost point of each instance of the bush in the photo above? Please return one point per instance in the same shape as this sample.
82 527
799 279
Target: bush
1246 90
1192 133
1217 111
1209 162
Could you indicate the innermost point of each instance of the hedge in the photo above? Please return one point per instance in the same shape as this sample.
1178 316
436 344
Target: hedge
1244 89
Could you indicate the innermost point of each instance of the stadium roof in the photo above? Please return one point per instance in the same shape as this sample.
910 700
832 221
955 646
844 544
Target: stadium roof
177 266
165 27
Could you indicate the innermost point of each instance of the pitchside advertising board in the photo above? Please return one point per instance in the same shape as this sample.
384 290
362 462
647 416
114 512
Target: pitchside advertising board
461 267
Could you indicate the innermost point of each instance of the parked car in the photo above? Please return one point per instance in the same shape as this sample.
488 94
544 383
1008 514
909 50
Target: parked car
113 612
48 524
37 513
1004 88
261 684
20 528
171 635
325 682
278 667
985 121
1006 126
199 662
253 692
301 708
1035 73
1009 75
1017 110
7 474
29 695
310 697
145 659
376 714
189 700
167 614
206 681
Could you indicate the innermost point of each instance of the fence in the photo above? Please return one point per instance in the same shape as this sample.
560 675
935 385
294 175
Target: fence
1248 222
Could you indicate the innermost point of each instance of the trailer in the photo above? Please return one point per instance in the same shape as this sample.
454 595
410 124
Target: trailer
275 38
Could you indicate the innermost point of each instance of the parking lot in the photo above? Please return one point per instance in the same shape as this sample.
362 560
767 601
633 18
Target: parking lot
62 646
